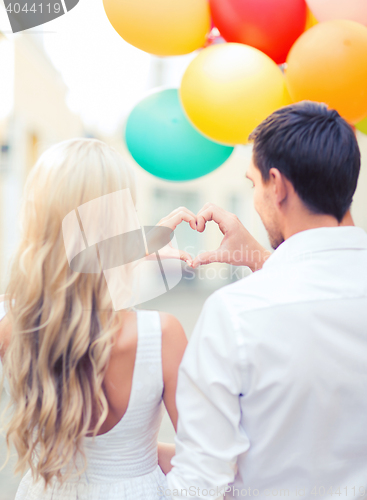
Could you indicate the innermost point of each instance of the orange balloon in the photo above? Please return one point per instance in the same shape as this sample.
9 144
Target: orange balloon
328 63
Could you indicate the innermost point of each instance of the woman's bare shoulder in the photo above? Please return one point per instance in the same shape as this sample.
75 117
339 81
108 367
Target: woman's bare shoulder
173 335
174 340
127 335
171 327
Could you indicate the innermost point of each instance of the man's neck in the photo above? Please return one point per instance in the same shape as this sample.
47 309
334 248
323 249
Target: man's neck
303 222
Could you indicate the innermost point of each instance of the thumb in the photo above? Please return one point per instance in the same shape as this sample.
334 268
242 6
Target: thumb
207 258
186 257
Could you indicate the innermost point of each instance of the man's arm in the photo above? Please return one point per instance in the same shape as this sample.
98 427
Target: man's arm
238 246
210 383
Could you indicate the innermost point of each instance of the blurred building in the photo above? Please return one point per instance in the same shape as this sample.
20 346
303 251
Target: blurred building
33 115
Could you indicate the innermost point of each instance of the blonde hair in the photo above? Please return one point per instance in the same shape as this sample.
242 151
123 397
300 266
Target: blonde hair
63 322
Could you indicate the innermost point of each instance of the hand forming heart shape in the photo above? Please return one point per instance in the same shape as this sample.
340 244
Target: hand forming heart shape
238 247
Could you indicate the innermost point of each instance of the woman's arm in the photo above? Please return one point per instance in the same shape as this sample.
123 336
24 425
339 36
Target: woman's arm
174 343
166 452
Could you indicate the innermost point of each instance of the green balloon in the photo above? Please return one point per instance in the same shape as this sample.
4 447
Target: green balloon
362 126
162 140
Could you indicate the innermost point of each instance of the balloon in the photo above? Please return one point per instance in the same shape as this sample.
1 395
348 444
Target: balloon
362 126
214 38
327 10
328 64
311 20
228 89
163 142
161 27
271 26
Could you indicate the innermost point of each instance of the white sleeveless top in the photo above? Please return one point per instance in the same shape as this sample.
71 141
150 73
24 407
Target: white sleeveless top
122 463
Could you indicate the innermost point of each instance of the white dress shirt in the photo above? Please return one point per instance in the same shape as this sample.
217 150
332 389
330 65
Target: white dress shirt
272 389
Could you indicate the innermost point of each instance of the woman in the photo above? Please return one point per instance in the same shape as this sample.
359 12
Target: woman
86 382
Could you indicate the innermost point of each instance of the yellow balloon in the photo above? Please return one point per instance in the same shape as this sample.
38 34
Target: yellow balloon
229 89
311 20
161 27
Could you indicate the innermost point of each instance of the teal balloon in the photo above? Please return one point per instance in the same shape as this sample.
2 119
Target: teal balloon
163 142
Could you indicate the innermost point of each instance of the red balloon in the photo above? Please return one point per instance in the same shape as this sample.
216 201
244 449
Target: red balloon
271 26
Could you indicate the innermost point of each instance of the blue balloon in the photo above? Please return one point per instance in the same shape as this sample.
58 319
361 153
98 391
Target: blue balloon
163 142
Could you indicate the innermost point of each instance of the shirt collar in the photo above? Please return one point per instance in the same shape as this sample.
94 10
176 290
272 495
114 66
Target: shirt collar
305 243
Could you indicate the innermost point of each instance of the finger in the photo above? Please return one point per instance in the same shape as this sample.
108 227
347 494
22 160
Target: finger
206 258
214 213
176 219
205 207
175 212
166 221
208 204
172 253
183 209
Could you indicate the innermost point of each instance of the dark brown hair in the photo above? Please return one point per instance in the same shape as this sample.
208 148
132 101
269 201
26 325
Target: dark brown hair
316 149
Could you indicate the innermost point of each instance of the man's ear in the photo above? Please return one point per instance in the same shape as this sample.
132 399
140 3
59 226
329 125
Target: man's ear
279 184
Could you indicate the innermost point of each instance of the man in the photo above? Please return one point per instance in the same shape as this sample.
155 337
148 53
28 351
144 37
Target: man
272 389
